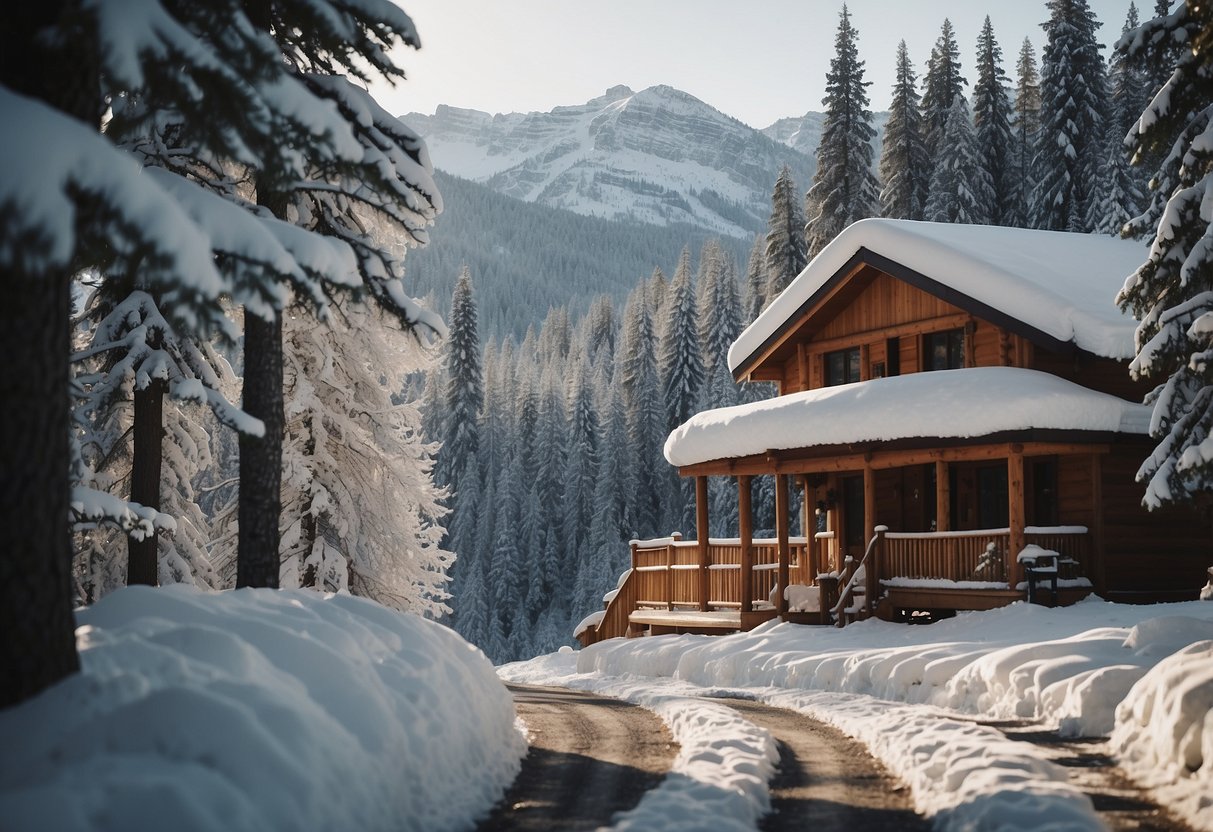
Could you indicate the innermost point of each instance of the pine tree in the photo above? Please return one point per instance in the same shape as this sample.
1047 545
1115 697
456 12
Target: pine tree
904 162
718 305
360 509
644 412
1026 132
960 187
995 144
943 82
679 362
844 189
1073 100
1116 198
581 466
786 256
463 395
123 224
755 299
1172 292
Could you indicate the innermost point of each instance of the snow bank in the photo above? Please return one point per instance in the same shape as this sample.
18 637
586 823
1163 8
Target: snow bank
1164 731
1070 668
966 403
259 710
718 781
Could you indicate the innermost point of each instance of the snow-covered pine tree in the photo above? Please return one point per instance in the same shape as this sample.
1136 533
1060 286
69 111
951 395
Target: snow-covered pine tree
1116 198
679 361
133 357
610 527
463 530
844 189
755 297
645 412
380 177
680 371
1172 292
992 114
942 83
599 327
718 306
904 164
551 451
581 467
91 208
1026 130
786 255
960 186
463 393
1073 90
507 572
360 508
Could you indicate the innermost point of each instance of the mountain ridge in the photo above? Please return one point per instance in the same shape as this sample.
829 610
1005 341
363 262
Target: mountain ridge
658 156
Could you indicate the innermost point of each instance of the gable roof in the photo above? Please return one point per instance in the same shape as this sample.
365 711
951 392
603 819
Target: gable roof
1059 285
947 404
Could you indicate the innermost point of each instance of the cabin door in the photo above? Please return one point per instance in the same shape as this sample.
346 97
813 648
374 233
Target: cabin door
852 516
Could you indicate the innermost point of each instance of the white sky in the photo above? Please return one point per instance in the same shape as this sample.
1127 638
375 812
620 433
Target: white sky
756 61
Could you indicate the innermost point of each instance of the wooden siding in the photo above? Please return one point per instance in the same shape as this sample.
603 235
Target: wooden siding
877 311
1104 374
1149 556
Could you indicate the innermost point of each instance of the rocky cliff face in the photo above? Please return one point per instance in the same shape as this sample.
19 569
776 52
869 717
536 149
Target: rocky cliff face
657 156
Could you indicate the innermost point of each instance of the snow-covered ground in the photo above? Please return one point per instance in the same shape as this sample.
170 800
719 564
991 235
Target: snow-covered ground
259 710
1141 674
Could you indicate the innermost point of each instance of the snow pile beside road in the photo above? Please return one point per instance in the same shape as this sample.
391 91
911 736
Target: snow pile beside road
1164 731
1070 668
718 781
260 710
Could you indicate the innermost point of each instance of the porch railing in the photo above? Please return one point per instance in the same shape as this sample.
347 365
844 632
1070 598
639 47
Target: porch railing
977 555
667 571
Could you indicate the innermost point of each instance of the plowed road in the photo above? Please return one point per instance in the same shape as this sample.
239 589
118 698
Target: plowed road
592 757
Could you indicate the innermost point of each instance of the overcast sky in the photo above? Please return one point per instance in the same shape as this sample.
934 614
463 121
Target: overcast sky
757 61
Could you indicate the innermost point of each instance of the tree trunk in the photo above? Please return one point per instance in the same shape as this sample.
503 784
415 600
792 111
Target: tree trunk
261 458
143 563
37 629
257 558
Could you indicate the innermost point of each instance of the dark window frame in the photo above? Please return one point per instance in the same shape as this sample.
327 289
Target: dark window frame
842 367
943 350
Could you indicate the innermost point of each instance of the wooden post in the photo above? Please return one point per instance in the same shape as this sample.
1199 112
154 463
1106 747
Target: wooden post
634 547
1015 513
875 565
869 502
943 497
670 557
1098 563
745 518
781 533
701 529
810 530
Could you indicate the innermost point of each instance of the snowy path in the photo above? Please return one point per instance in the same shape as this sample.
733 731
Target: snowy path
590 757
827 781
1121 804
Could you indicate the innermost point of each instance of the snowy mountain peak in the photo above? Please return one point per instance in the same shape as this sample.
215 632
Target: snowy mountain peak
659 156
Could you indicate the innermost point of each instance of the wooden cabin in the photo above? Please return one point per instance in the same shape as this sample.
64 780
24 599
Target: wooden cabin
955 413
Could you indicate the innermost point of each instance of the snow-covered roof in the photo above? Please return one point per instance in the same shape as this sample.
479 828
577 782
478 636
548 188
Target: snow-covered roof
958 404
1058 283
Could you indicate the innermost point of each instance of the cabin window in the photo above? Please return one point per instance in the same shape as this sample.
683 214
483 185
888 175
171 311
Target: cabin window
1043 489
993 511
893 356
944 350
842 366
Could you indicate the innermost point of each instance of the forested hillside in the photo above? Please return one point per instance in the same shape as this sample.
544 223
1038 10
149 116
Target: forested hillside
527 258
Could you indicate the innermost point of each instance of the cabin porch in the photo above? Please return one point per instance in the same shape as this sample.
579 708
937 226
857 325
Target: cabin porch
916 561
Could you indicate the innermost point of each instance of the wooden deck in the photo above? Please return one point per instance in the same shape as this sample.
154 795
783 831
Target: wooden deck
678 586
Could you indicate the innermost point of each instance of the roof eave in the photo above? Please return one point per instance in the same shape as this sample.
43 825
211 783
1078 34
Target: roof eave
864 256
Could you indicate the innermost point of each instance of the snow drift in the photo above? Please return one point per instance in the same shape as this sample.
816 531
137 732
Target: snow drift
259 710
